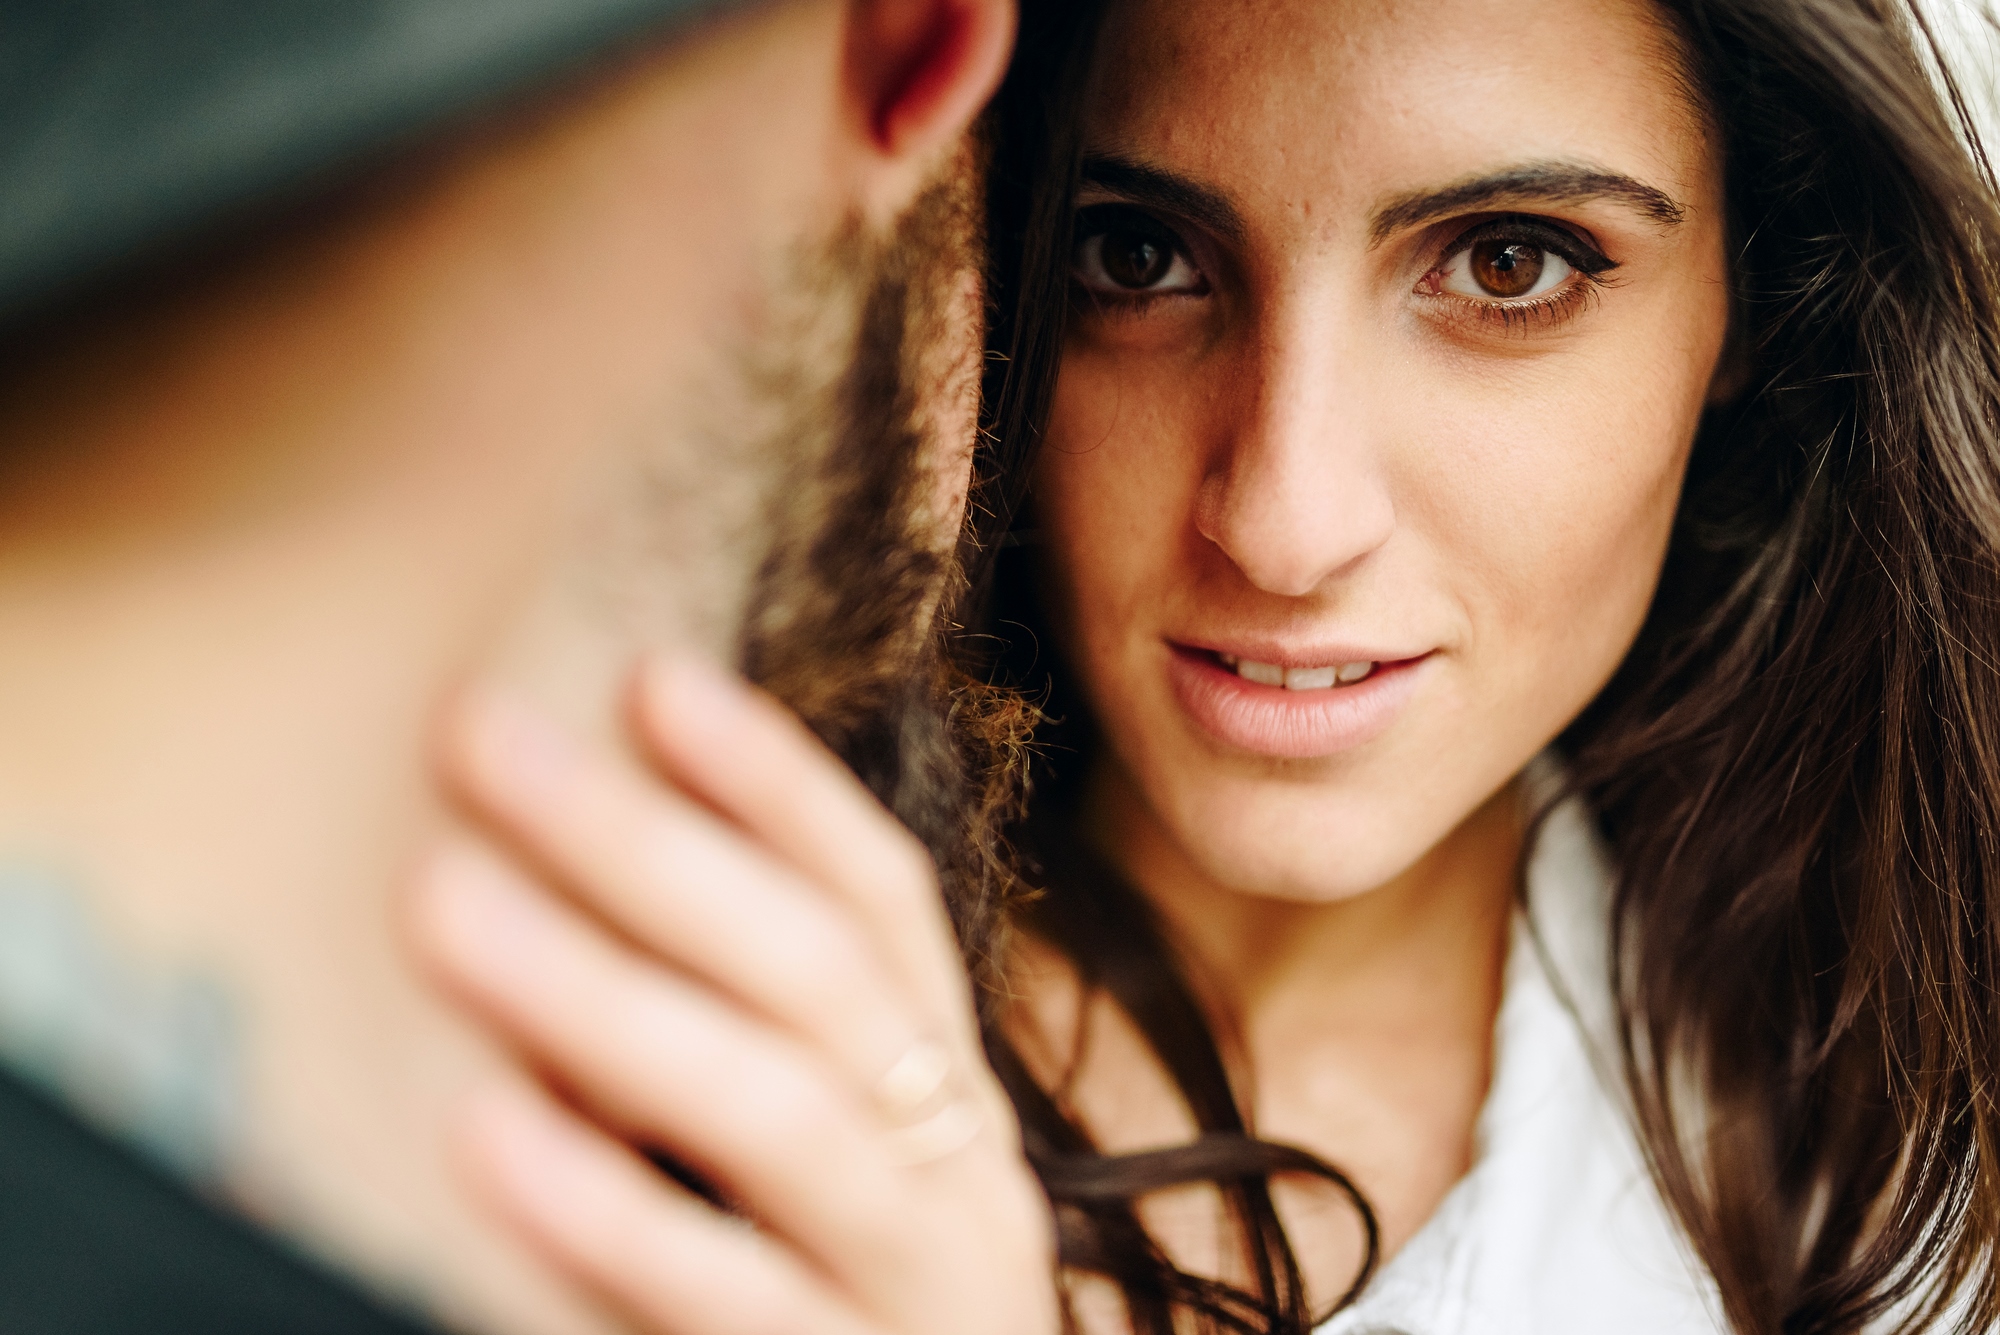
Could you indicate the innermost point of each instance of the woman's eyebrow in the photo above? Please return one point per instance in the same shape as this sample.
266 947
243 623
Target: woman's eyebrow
1553 182
1157 188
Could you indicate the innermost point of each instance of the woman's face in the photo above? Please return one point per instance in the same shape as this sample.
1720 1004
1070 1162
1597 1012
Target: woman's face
1396 324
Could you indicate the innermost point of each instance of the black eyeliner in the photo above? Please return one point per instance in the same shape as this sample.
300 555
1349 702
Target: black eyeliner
1527 229
1093 222
1103 219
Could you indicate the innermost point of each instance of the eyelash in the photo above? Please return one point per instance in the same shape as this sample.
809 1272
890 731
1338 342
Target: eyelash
1590 273
1590 269
1099 220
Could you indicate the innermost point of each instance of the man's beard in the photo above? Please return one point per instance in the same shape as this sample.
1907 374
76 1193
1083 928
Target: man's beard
844 619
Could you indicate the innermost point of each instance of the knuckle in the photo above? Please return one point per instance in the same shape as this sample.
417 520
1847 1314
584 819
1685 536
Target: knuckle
911 862
666 849
785 1106
818 962
903 872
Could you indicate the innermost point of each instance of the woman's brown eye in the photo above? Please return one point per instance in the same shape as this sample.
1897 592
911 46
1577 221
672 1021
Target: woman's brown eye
1126 260
1506 268
1133 260
1495 270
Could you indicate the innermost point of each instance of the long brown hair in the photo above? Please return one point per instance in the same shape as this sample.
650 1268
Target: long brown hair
1796 770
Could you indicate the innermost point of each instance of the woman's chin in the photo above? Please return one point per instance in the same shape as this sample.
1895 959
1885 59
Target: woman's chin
1306 844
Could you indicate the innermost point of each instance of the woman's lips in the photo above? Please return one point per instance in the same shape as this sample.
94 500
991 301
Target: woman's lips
1286 723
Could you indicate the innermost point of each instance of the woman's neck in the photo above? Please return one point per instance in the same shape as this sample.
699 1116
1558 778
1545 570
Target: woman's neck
1366 1023
1256 951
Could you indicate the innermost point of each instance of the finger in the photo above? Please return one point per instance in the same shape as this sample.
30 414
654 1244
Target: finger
752 760
611 1221
669 1062
684 884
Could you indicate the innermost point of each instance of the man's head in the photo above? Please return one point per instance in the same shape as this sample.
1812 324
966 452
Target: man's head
677 351
683 337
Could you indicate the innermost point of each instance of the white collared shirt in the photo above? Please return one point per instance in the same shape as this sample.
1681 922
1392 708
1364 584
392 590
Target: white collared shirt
1557 1229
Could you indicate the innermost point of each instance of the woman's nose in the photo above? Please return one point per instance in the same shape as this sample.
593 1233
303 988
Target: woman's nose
1295 494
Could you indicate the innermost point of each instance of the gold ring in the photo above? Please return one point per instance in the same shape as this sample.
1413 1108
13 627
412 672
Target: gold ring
949 1129
926 1120
909 1088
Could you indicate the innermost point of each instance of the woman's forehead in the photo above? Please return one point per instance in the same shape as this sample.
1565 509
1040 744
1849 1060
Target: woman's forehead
1328 108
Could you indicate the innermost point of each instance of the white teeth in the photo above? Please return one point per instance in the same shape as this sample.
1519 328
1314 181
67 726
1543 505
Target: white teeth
1297 679
1264 674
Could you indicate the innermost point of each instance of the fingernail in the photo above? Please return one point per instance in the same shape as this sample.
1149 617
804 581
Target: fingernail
693 694
512 747
475 914
525 1147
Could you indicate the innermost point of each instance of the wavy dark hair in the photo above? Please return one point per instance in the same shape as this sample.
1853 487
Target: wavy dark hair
1796 769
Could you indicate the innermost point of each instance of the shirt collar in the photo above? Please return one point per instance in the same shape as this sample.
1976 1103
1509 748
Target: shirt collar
1557 1229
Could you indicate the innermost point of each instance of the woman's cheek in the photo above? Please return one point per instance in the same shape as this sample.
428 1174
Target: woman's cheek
1110 478
1560 541
1084 500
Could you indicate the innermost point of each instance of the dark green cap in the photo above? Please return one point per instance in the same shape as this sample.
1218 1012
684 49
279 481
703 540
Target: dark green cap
128 125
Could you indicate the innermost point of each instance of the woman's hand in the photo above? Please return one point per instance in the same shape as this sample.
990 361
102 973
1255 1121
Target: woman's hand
748 968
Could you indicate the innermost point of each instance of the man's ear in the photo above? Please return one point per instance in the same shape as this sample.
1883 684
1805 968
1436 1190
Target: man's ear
918 71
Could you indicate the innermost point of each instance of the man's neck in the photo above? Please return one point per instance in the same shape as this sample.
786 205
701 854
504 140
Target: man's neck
214 779
235 594
254 534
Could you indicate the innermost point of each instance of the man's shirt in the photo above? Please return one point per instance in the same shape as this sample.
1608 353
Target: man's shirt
96 1241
